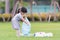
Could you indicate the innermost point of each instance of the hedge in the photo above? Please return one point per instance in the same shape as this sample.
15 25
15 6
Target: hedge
37 17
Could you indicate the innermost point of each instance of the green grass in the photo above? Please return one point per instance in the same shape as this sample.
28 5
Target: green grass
7 33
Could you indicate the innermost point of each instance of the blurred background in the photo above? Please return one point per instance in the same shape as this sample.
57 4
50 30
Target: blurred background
38 10
44 16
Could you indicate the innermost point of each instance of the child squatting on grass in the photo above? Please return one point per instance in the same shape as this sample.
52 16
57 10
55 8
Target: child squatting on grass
18 17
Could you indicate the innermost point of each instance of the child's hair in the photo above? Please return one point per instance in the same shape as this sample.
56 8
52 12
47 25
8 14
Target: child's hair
18 10
24 10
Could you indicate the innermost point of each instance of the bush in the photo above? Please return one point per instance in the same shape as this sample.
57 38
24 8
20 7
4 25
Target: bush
58 16
6 15
36 16
29 17
43 16
0 15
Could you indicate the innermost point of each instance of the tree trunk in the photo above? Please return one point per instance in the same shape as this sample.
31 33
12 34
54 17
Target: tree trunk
40 17
21 3
31 10
15 2
7 6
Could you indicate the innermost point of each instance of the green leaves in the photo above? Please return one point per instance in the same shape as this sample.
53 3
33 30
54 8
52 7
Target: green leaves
2 4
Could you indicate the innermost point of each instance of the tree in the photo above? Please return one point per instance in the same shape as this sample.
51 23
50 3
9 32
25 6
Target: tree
7 6
31 10
55 4
15 2
21 3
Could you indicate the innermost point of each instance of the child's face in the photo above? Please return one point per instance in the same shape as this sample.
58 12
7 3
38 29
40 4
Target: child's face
23 14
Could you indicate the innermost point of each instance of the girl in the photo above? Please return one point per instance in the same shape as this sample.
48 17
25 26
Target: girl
17 18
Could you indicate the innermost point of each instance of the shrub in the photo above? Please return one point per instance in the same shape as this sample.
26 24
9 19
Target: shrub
0 15
43 15
29 17
36 16
6 15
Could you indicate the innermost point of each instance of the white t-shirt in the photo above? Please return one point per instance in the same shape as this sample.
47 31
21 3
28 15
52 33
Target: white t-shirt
17 17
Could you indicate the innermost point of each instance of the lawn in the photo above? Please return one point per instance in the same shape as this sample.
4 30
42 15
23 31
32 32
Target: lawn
7 33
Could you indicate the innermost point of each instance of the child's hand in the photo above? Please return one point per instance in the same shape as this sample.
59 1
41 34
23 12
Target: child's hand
28 23
25 21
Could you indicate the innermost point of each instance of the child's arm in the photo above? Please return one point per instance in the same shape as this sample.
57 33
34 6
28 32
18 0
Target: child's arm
24 21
